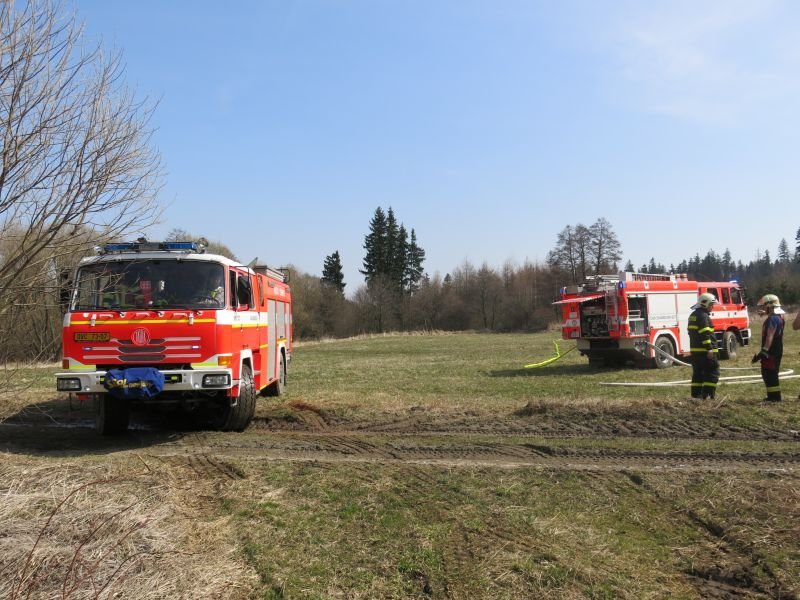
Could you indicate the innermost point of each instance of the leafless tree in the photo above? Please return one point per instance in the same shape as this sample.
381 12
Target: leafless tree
571 253
604 247
76 160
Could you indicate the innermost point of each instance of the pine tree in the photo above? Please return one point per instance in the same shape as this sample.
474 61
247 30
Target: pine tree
389 267
375 244
397 262
797 246
413 272
727 264
783 251
332 275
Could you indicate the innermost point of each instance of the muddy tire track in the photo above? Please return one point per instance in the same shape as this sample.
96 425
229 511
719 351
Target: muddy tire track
466 453
204 466
724 566
528 426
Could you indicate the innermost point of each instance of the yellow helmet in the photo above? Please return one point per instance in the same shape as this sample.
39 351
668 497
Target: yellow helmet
705 300
771 300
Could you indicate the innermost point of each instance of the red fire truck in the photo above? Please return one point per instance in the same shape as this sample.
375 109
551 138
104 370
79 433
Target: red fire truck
165 323
617 318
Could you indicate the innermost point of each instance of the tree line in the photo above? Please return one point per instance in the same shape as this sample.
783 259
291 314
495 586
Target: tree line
514 297
77 169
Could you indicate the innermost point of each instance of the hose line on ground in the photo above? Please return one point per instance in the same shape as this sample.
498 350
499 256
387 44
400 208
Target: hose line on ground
550 360
685 364
740 380
730 380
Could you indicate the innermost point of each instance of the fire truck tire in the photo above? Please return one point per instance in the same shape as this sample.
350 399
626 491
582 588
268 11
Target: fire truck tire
665 345
729 345
276 387
111 415
237 418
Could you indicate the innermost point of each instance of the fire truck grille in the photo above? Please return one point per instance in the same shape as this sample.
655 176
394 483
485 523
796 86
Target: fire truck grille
173 349
143 358
141 349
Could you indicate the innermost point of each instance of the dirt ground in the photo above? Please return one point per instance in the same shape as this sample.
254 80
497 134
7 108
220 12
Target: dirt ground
303 432
605 448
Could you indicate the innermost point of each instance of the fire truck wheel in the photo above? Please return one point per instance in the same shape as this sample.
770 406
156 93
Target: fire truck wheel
237 418
665 345
111 415
729 345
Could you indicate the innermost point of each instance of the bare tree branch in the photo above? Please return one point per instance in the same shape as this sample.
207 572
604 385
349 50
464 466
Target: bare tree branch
77 163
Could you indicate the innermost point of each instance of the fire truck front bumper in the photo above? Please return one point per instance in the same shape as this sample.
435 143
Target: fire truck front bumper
177 380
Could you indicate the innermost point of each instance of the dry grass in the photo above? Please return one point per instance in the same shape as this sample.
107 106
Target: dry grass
78 529
109 521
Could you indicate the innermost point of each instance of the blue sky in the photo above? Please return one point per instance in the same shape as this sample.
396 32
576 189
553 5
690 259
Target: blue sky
487 126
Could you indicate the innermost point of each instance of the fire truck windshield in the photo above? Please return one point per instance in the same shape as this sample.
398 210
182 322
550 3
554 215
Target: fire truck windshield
150 284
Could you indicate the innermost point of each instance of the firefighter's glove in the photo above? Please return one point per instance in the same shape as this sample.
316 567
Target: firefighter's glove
762 355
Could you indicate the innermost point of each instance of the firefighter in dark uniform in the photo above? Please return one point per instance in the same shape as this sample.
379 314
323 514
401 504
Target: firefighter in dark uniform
703 347
771 351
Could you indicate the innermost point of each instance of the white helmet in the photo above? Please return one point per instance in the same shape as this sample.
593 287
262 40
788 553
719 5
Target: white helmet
771 300
705 300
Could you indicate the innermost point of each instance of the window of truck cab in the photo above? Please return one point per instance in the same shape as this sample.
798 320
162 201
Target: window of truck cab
150 284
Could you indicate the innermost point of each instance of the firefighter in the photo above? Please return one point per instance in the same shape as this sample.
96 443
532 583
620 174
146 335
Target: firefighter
703 348
771 346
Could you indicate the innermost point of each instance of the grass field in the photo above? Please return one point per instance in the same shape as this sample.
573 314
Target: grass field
418 466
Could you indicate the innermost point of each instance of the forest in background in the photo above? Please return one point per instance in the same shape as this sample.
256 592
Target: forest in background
78 168
509 297
513 297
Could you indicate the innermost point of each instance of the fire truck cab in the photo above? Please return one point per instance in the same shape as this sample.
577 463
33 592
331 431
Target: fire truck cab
164 323
643 317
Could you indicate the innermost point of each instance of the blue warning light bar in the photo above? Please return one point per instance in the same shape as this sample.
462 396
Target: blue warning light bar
150 247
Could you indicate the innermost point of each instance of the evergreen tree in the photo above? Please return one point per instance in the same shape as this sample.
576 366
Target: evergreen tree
332 275
375 244
414 272
390 256
783 251
397 265
710 267
394 250
727 264
629 266
797 245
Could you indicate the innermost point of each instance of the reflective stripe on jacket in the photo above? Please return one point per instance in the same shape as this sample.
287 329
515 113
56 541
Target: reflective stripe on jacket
701 331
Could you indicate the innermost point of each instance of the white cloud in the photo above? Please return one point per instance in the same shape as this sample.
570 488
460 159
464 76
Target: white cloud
725 63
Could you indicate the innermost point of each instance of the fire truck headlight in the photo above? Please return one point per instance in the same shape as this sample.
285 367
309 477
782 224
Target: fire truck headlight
71 384
216 380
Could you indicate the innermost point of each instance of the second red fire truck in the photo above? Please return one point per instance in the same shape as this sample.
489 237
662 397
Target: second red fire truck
614 319
164 323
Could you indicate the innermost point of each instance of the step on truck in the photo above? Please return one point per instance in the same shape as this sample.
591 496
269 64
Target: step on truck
643 317
165 324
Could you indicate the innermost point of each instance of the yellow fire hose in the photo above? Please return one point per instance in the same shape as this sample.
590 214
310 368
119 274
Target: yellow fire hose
550 360
730 380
